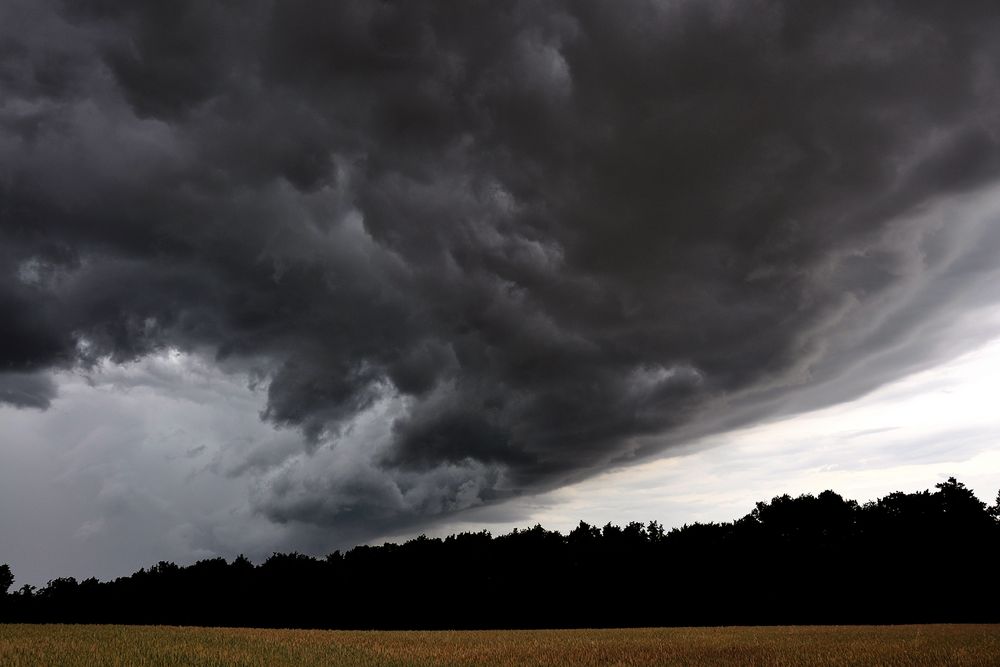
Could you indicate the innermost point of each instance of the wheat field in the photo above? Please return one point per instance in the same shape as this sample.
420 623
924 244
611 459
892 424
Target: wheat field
92 645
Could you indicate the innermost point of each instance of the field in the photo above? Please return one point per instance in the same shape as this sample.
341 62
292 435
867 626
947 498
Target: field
81 645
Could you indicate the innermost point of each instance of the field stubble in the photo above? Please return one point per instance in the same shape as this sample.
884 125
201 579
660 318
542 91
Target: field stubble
87 645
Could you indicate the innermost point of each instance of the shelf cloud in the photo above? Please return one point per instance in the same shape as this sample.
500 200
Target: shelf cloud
481 250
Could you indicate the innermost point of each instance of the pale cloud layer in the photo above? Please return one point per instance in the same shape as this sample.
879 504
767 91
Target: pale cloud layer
129 468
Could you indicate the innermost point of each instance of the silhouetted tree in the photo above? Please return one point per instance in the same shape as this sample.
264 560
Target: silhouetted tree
6 578
959 501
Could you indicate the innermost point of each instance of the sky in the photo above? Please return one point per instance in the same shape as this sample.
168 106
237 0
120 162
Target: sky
305 275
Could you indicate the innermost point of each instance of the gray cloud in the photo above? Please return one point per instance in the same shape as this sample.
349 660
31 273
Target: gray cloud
26 390
535 239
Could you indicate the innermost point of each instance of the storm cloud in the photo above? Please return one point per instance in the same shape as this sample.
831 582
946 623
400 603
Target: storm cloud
480 250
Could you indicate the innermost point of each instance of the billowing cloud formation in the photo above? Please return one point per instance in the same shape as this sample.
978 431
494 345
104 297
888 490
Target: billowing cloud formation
478 250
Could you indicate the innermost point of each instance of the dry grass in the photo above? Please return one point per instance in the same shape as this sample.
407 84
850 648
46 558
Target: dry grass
81 645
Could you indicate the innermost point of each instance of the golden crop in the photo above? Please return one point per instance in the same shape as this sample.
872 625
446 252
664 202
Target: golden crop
87 645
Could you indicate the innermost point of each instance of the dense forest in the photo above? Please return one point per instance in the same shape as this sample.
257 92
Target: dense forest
906 558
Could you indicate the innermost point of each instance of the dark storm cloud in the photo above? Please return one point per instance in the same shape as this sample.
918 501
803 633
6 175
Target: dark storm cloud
26 390
551 235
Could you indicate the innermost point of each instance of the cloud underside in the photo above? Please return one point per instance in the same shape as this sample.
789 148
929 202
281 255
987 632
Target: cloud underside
482 250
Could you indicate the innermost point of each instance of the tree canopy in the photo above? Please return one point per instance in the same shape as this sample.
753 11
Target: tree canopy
906 557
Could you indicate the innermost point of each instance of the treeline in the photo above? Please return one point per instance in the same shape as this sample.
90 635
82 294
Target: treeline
906 558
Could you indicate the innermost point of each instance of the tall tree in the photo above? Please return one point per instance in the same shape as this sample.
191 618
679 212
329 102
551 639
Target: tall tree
6 578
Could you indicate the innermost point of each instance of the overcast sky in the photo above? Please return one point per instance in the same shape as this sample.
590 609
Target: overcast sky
299 275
